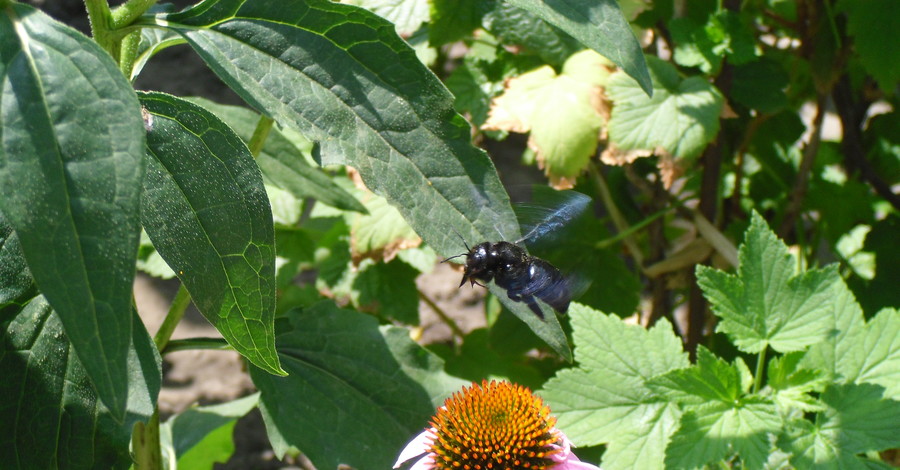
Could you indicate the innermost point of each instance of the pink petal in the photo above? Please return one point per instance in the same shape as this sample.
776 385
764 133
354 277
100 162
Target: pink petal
416 447
425 463
567 460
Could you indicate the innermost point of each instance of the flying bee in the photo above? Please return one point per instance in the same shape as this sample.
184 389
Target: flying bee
525 277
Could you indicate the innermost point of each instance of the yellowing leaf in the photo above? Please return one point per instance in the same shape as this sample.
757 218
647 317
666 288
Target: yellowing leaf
564 113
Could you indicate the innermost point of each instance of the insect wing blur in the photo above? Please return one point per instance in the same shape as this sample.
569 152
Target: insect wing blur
526 277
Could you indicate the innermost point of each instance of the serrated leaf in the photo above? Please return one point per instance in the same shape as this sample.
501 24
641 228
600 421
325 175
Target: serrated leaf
71 166
600 25
767 303
564 113
375 389
857 419
606 399
791 384
714 431
681 118
202 435
207 213
872 24
348 82
283 160
711 379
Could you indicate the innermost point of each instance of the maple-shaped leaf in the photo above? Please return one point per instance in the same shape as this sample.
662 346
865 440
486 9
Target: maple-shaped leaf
606 399
768 302
680 119
564 113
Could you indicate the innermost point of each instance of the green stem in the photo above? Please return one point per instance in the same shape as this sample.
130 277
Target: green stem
129 52
617 218
760 366
145 444
129 11
218 344
176 312
101 24
457 331
263 126
634 228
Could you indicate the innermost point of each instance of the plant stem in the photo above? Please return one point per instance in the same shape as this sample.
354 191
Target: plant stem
176 312
263 126
218 344
617 218
760 366
145 444
101 21
129 11
634 228
457 331
128 52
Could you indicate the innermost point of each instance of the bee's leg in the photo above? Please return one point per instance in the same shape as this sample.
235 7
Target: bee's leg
533 305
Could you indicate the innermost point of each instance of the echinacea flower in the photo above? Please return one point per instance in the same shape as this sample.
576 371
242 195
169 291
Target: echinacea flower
496 426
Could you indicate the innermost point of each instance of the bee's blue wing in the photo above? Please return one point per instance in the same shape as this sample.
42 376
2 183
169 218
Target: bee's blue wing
550 214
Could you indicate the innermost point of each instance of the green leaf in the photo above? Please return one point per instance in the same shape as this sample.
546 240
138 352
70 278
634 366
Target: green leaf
374 388
562 112
381 232
760 85
524 30
856 419
389 290
681 117
49 403
606 399
452 20
347 81
600 25
768 303
407 15
152 42
71 166
202 435
714 431
711 379
206 211
706 45
477 359
859 352
790 384
384 113
872 25
283 159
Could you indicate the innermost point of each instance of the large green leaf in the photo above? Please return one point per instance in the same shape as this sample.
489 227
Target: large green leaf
344 78
50 412
681 117
606 400
355 394
283 160
600 25
768 303
206 210
200 436
71 166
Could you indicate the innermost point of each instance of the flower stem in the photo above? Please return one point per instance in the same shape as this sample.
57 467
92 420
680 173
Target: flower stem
176 312
128 53
101 21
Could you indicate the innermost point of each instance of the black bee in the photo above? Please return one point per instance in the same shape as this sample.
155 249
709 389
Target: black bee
524 277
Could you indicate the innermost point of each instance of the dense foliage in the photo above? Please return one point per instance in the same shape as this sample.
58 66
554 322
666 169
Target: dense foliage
298 224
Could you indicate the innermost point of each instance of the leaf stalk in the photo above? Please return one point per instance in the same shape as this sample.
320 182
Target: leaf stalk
176 313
